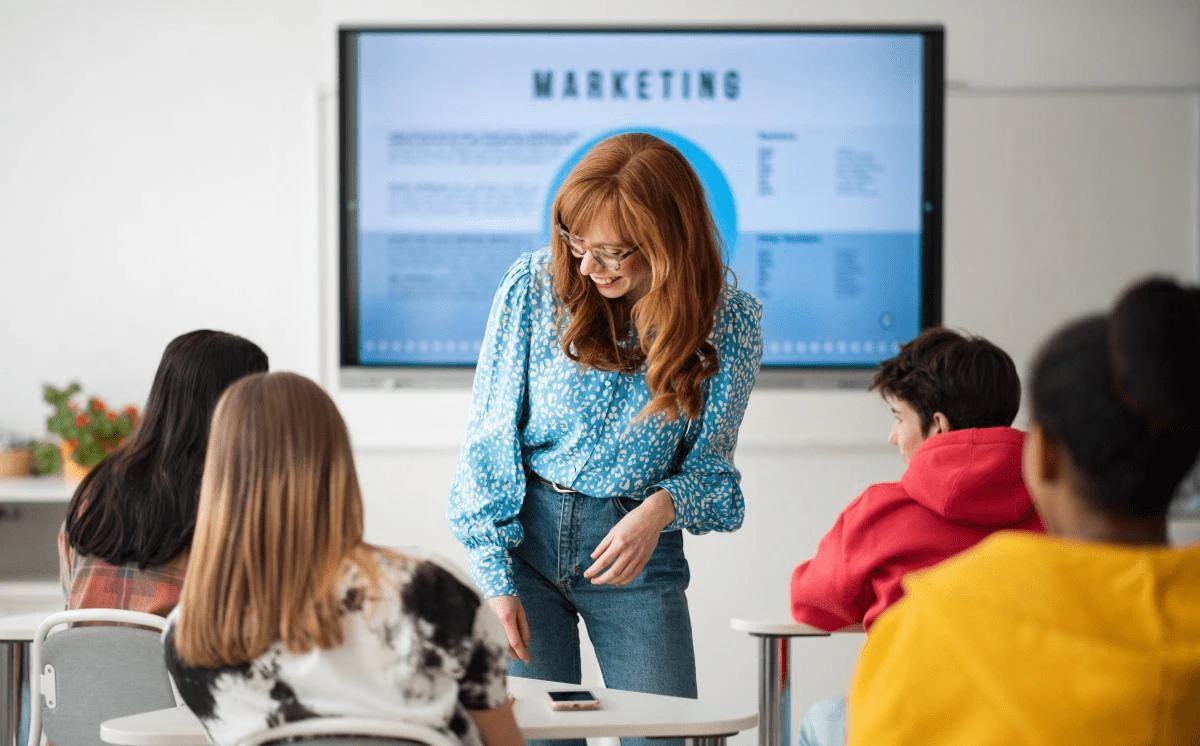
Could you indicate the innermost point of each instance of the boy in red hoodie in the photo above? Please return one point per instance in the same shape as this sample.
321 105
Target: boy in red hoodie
954 398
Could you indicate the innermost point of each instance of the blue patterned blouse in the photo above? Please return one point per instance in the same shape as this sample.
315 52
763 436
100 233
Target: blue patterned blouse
535 408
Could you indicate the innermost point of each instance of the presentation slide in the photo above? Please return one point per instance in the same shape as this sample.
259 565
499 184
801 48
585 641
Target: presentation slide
809 146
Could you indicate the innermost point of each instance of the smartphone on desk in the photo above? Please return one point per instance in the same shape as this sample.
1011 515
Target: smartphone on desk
572 699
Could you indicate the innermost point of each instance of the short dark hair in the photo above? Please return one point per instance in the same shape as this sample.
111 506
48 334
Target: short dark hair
970 380
1119 393
139 504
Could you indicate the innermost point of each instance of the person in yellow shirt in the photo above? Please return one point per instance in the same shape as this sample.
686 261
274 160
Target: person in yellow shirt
1091 633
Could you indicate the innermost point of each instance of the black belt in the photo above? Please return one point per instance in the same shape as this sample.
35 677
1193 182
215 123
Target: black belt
553 485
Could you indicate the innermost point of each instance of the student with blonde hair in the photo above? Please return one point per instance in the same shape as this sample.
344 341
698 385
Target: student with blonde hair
287 613
611 384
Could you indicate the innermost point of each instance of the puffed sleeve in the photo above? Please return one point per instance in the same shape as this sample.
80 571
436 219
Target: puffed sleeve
706 489
489 484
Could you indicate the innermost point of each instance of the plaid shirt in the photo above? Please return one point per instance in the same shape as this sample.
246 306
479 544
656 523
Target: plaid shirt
92 583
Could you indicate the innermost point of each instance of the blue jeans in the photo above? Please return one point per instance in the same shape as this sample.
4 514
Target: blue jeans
641 632
824 723
23 726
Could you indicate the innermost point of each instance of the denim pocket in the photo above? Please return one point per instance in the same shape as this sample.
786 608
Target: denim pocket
626 505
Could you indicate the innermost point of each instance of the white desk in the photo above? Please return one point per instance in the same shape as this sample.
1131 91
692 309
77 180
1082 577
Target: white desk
16 632
706 723
774 675
35 490
20 627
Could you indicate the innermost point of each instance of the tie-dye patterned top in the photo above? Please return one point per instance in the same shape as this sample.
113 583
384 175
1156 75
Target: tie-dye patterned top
535 409
422 648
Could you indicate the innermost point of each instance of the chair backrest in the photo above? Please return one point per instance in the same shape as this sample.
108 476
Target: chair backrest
108 663
345 731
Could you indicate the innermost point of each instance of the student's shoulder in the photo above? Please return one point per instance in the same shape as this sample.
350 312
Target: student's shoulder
172 619
414 572
980 573
882 516
878 501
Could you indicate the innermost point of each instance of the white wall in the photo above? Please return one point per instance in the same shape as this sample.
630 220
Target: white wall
157 174
165 166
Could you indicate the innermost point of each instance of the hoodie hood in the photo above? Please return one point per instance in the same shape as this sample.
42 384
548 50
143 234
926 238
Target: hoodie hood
971 476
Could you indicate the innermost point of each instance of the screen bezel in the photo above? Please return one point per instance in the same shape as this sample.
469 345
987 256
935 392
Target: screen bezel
356 374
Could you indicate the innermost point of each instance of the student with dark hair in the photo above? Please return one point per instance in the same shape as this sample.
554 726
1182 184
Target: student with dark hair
954 398
1090 634
969 381
130 522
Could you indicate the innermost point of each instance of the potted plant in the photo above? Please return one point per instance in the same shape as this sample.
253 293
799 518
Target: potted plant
88 434
16 456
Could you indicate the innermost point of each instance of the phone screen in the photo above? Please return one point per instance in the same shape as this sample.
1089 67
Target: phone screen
572 696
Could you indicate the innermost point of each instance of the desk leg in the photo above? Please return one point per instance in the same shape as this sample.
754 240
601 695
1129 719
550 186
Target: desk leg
774 692
12 668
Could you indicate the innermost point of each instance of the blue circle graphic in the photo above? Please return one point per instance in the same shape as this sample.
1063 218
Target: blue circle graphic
716 186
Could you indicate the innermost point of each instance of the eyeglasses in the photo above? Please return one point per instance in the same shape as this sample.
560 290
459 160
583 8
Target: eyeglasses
610 257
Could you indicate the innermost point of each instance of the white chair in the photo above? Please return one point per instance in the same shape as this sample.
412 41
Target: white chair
107 663
344 731
774 675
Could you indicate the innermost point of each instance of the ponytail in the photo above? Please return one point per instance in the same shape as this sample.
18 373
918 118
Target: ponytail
1121 393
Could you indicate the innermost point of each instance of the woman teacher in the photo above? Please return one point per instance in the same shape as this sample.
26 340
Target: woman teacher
612 380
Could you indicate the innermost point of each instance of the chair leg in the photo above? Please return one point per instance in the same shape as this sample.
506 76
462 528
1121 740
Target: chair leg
774 692
12 664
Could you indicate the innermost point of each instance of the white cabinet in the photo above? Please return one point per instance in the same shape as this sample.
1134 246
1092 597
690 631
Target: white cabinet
31 511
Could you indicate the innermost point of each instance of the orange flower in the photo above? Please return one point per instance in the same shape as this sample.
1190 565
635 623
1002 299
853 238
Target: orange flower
112 417
96 404
81 420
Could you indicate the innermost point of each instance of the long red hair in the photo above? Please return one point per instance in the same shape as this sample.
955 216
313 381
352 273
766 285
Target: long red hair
655 202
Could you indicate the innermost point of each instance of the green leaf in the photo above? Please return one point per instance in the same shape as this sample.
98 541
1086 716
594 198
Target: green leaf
62 422
47 459
89 452
57 397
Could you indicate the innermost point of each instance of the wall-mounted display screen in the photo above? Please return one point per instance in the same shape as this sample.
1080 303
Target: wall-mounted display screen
820 150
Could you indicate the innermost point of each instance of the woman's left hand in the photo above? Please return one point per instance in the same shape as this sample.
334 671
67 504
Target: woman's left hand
628 546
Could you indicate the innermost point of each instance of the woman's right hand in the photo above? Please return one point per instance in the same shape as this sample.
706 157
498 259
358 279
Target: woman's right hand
516 625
